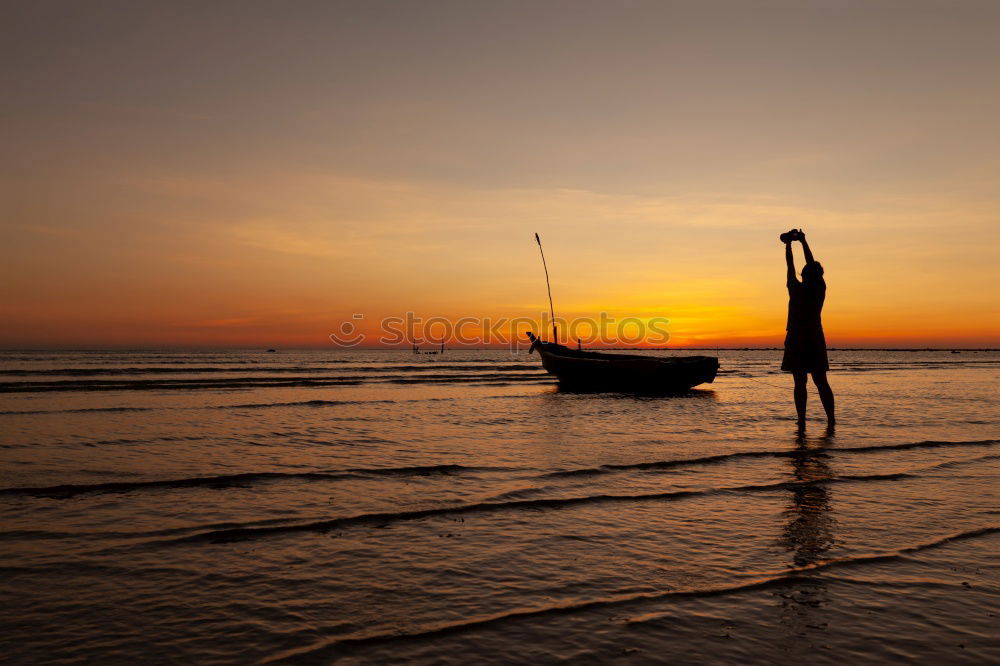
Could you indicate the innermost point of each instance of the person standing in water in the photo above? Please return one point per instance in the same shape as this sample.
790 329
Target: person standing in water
805 344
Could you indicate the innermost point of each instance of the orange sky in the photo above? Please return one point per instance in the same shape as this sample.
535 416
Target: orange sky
253 174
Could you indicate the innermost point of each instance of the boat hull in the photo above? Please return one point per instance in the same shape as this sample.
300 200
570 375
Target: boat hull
625 372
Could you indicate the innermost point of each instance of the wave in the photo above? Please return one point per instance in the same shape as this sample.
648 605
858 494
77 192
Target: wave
725 457
257 382
263 369
234 480
482 378
926 362
167 384
928 444
80 410
388 517
333 403
243 479
136 356
332 648
959 463
252 405
302 403
309 403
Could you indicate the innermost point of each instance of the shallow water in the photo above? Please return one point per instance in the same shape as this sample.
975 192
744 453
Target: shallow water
225 507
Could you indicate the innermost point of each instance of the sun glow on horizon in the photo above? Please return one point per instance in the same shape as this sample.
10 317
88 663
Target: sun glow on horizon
197 191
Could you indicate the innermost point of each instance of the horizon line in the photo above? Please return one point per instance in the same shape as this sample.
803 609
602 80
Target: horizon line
266 350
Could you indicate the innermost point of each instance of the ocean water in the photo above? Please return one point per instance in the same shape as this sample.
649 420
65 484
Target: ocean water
374 507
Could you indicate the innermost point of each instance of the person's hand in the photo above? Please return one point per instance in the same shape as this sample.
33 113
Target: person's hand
801 236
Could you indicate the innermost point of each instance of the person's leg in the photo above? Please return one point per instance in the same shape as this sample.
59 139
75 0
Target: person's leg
825 395
800 395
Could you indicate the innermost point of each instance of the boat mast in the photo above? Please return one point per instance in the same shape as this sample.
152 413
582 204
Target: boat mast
552 312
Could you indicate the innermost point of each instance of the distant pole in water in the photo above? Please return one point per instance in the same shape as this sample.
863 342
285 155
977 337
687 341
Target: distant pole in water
442 345
555 336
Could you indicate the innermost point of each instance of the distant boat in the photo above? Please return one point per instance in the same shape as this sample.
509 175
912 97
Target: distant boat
623 372
271 350
416 349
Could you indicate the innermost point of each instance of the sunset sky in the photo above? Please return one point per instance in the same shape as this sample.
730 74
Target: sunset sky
254 173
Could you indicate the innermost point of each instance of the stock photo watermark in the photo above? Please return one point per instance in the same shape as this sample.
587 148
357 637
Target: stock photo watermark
604 331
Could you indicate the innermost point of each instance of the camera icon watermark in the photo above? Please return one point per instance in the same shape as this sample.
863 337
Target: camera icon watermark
348 334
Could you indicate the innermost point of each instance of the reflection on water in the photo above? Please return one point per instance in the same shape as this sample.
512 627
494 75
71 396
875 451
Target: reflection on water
808 535
808 532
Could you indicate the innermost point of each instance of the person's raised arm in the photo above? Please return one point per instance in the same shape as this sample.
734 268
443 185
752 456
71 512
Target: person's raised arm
790 262
805 248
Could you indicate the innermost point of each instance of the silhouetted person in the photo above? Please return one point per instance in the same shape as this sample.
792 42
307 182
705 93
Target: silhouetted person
805 345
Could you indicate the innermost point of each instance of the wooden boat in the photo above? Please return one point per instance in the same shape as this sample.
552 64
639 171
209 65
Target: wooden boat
623 372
